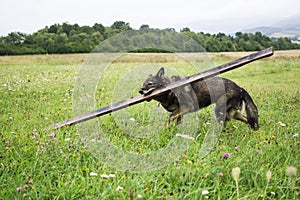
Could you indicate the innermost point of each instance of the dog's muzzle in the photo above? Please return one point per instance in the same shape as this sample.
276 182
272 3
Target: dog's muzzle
146 91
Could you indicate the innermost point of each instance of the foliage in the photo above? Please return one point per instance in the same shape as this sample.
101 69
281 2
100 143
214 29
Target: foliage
241 42
72 38
38 163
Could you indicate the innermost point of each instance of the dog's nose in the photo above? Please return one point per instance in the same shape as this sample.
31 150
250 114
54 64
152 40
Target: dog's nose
141 91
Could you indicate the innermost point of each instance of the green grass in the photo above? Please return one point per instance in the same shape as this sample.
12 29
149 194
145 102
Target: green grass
36 91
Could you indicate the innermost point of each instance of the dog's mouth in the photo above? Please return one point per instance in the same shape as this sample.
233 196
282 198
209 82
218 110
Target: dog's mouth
145 92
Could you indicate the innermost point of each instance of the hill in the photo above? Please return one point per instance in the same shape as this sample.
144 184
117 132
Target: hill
289 28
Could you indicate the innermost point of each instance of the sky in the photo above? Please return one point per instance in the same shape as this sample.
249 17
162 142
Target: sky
228 16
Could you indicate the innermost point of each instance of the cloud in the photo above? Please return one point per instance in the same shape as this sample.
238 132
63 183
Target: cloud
31 15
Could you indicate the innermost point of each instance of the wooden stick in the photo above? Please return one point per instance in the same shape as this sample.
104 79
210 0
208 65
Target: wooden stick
140 98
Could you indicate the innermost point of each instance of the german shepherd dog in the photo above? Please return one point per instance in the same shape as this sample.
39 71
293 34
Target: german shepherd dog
227 96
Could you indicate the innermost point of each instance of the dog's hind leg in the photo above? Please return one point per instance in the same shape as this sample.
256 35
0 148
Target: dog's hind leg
239 116
234 107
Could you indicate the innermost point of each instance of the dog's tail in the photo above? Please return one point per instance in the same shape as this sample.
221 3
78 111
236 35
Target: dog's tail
251 110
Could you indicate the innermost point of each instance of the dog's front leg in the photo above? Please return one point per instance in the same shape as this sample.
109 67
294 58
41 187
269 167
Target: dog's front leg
178 114
173 116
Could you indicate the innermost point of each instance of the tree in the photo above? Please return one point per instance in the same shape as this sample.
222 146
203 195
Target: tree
72 38
144 26
120 25
15 38
282 43
86 29
53 29
99 27
66 28
238 34
186 29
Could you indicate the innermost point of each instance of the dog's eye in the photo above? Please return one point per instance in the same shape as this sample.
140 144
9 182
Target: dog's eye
150 83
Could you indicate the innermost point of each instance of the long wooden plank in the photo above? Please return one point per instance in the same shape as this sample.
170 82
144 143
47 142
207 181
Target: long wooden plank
140 98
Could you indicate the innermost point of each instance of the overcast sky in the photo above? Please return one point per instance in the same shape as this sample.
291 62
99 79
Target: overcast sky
226 16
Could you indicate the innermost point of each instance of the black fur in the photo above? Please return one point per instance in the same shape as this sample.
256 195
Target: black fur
227 96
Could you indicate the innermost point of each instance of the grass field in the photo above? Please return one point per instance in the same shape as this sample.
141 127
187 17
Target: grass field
38 163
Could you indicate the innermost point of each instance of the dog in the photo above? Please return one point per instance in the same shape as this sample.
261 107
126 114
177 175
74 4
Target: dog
227 95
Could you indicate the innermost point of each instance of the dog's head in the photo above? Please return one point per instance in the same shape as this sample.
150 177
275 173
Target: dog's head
153 82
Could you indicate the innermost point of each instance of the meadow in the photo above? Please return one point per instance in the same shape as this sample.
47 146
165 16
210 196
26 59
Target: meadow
40 163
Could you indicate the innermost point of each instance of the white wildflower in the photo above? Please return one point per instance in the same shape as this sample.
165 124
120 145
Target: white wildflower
104 176
119 188
93 174
112 176
269 175
107 176
205 192
185 136
236 173
281 124
291 171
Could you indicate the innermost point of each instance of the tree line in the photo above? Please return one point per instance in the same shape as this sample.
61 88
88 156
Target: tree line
72 38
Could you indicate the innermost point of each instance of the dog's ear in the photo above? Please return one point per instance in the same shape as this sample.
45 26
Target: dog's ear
161 72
